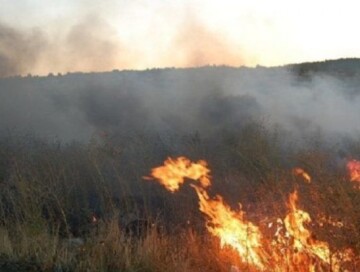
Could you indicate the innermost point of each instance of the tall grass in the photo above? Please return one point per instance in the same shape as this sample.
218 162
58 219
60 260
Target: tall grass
68 207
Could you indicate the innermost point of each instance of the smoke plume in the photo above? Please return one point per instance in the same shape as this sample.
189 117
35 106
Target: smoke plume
207 100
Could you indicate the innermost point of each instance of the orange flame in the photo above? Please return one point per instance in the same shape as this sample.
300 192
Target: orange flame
353 167
294 249
303 243
300 172
174 171
231 228
310 254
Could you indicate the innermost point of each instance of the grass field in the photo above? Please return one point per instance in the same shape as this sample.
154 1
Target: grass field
87 207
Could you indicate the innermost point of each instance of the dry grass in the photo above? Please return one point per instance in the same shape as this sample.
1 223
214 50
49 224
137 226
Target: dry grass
111 250
49 194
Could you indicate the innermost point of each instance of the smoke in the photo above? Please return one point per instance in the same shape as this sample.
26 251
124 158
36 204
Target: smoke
94 43
208 100
89 45
19 50
194 44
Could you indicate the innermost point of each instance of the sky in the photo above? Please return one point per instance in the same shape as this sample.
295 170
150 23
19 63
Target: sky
41 36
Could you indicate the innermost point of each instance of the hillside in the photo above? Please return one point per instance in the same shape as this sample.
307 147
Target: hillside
76 106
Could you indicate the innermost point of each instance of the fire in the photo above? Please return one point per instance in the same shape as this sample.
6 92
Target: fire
174 171
292 248
231 228
228 225
353 167
302 242
300 172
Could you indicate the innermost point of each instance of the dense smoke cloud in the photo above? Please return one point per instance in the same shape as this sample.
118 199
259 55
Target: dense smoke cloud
207 100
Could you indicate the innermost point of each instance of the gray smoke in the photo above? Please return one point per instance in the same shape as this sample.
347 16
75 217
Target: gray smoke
207 100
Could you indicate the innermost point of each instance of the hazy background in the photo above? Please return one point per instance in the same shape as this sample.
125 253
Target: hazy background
39 37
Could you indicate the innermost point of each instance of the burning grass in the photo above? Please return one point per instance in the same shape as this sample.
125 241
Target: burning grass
293 249
88 208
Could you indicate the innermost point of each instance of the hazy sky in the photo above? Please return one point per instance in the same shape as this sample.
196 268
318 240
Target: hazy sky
90 35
